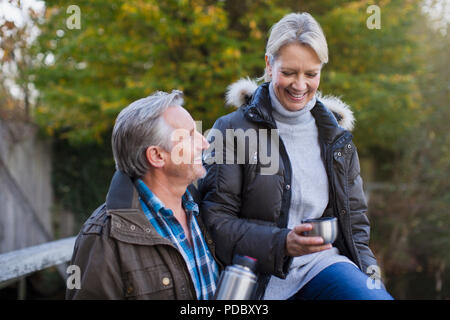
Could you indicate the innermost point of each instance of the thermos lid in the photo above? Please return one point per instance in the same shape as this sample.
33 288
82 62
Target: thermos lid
245 261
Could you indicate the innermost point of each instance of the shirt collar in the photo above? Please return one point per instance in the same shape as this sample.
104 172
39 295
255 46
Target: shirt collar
158 206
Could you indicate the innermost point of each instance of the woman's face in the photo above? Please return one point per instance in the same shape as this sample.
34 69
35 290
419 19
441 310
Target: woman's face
295 75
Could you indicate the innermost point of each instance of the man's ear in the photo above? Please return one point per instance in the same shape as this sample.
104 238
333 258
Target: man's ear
155 156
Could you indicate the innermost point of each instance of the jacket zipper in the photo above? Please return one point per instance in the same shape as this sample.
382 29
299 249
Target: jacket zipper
286 163
264 279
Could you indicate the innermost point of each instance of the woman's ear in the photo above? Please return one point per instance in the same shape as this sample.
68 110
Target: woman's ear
155 156
268 66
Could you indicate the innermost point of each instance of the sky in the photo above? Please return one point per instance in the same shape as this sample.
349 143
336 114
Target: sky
439 12
10 12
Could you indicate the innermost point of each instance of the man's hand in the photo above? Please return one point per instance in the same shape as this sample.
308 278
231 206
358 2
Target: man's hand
298 245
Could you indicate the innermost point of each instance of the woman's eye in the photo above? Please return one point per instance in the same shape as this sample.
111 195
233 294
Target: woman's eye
287 73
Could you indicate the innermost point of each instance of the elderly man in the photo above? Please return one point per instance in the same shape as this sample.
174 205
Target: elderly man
147 241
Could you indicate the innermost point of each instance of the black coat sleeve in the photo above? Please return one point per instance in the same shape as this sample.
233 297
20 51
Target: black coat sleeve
221 204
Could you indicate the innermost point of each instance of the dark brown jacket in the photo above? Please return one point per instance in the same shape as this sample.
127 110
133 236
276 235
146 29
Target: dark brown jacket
121 255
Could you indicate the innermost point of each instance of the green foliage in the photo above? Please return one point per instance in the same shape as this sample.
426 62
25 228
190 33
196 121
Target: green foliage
128 49
80 175
412 221
375 70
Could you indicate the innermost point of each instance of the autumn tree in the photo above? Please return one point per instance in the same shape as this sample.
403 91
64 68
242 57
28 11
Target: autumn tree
394 80
17 93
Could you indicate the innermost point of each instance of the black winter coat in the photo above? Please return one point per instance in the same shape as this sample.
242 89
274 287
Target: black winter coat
246 212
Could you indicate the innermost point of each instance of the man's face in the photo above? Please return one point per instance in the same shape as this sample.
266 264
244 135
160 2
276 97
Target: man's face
185 159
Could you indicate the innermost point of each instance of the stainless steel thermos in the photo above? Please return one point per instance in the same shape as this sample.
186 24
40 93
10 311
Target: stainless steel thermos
238 281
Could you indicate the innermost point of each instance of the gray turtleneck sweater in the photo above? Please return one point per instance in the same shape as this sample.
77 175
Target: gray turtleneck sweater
309 193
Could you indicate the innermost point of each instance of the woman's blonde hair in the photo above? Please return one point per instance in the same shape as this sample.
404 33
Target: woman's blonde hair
296 28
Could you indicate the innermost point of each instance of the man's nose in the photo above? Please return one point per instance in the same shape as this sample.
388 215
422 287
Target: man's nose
205 143
201 141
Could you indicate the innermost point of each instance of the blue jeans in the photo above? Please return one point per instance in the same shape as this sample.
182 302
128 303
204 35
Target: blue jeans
340 281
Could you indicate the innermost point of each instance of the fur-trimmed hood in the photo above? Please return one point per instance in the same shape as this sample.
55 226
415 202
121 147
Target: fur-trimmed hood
242 90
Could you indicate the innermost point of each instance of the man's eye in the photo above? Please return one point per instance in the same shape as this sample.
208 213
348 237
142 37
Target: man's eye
287 73
312 75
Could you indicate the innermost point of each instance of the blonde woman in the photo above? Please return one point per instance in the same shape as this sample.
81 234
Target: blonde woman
259 215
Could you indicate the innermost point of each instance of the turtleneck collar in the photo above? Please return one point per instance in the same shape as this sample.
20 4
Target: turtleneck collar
281 114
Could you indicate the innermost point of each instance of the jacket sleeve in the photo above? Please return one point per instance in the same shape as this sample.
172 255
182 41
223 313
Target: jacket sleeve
99 267
360 225
221 189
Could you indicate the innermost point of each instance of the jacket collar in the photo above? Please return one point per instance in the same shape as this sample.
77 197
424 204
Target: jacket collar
259 109
326 122
128 221
122 193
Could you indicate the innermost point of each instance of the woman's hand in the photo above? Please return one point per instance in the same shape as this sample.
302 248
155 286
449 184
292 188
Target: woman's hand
298 245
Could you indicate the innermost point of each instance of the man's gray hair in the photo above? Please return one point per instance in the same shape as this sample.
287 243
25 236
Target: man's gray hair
296 28
139 126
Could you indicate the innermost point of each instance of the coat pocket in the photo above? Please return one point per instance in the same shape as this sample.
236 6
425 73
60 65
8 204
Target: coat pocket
155 283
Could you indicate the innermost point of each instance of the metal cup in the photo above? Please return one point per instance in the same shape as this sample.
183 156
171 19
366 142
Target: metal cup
325 227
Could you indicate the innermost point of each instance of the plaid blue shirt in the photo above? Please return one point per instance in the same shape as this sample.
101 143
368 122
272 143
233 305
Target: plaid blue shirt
202 267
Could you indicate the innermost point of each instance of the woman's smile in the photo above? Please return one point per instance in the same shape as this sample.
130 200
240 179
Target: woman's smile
297 97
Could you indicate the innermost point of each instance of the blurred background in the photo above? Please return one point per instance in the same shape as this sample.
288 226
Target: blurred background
66 72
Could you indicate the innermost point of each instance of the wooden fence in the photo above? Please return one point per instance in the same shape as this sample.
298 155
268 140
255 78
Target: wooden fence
15 265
